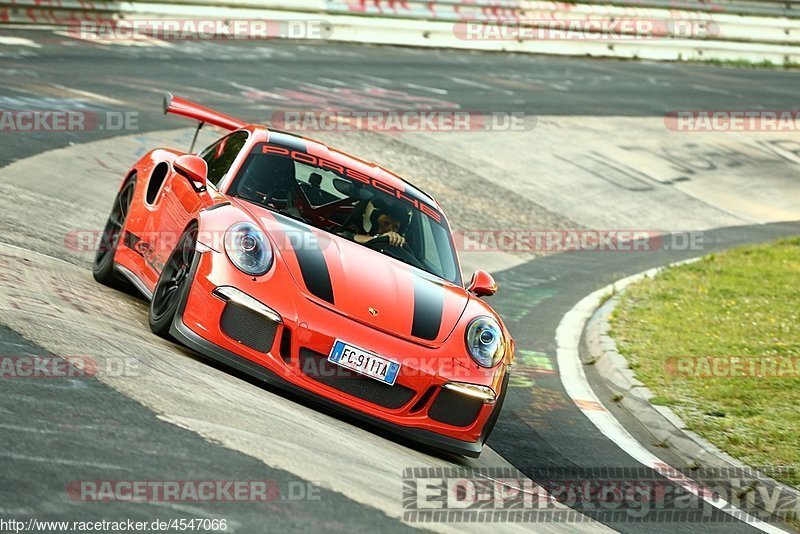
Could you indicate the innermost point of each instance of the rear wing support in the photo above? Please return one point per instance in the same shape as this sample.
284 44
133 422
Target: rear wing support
180 106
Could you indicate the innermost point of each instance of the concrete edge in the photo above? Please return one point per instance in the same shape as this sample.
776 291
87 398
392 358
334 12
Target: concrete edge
661 421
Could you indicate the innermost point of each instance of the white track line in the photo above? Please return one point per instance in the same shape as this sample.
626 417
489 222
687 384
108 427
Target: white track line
90 95
479 85
434 90
18 41
141 41
568 337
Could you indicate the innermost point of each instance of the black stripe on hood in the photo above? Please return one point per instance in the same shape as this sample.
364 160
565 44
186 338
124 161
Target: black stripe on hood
428 309
315 272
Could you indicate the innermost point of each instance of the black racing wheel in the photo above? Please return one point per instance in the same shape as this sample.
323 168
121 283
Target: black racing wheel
171 283
103 266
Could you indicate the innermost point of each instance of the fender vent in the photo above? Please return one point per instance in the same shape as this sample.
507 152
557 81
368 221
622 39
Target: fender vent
156 181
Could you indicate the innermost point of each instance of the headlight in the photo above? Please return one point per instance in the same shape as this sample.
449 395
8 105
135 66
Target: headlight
485 341
248 249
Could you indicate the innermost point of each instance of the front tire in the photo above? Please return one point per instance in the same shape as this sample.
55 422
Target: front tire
171 284
103 266
495 415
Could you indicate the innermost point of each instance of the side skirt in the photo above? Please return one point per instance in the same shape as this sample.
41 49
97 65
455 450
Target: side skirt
138 284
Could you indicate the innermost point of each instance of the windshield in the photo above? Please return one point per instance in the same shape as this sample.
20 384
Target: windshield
348 203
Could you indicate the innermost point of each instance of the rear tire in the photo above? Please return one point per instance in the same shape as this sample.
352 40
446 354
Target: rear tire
171 284
103 266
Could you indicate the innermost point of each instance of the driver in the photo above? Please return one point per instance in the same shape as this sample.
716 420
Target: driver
378 219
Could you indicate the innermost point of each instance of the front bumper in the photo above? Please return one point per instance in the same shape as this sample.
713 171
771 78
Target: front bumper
419 408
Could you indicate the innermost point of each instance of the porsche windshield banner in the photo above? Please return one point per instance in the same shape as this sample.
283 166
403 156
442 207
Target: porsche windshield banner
348 172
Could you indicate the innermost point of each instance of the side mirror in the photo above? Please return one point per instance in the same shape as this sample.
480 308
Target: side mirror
482 284
192 167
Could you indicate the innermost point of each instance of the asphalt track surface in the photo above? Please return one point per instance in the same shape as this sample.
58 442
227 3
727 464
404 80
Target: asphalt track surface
55 433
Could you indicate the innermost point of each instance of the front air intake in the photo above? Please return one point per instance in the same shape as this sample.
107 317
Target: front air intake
249 328
454 408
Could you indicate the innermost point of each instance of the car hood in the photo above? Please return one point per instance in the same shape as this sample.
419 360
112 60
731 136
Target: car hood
363 284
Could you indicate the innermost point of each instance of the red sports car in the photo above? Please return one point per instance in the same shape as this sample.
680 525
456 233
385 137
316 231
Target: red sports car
315 271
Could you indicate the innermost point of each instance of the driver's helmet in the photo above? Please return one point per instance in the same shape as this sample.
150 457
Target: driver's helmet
394 209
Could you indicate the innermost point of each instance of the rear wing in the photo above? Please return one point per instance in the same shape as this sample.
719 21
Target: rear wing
181 106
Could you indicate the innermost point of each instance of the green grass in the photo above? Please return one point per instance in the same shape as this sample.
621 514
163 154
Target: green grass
744 302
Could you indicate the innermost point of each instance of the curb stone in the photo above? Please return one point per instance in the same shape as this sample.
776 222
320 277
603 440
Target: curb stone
600 349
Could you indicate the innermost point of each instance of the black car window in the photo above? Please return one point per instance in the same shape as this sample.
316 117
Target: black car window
221 154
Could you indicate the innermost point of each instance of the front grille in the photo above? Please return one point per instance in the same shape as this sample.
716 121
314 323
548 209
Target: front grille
455 409
317 367
248 327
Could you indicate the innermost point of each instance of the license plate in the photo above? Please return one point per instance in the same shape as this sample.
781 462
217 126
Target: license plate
364 362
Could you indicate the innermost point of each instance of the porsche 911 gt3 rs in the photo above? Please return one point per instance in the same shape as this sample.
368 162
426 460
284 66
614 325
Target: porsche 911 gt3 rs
315 271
